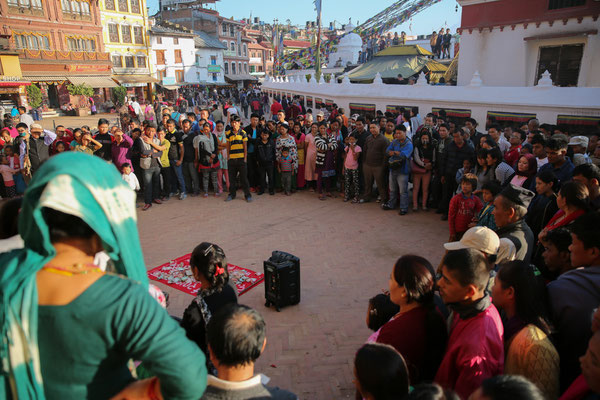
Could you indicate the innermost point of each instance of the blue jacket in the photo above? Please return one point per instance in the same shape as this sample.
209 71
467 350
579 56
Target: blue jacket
406 150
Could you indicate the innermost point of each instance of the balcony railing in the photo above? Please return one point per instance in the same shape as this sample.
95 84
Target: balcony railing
63 55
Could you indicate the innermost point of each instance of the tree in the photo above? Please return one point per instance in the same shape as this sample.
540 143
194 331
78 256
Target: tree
81 90
118 94
34 96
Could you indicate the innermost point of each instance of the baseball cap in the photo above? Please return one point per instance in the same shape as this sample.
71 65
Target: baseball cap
479 238
36 127
579 141
320 114
235 117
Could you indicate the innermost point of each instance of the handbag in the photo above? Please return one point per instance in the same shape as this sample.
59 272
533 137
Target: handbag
417 169
397 164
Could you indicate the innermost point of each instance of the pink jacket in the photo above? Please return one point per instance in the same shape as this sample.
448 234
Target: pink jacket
475 352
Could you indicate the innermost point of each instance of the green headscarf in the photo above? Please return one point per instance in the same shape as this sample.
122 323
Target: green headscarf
76 184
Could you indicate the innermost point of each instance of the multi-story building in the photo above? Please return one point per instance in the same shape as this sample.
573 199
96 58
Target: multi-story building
209 59
126 28
58 43
261 59
173 55
513 42
193 15
12 84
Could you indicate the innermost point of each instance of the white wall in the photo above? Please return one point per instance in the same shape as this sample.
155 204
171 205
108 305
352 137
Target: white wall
503 58
201 70
546 103
188 56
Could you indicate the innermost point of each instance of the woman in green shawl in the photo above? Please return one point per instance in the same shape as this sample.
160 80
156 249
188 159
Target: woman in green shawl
69 329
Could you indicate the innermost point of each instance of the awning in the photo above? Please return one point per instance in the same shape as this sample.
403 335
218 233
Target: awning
47 79
131 79
14 83
391 66
240 77
169 87
392 109
93 81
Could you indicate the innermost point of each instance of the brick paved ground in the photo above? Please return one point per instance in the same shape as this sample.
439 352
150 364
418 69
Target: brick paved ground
347 252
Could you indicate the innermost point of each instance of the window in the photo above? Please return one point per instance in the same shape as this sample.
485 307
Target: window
198 59
135 6
232 30
213 60
129 62
226 67
175 40
85 10
252 69
563 63
141 61
33 7
178 56
158 40
113 33
117 61
161 74
239 50
224 29
245 50
214 77
76 9
32 41
123 6
126 33
245 68
556 4
232 48
109 4
160 57
233 68
81 44
138 34
179 75
239 67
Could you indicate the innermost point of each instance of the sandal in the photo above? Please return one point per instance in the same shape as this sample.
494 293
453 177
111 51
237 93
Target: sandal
322 197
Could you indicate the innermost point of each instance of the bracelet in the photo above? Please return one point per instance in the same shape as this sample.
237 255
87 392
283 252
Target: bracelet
152 389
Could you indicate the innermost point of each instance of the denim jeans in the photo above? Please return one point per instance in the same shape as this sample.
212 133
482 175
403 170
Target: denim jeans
398 183
177 177
191 177
210 174
151 184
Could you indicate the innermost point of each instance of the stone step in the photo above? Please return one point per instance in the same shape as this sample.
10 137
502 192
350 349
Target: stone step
52 113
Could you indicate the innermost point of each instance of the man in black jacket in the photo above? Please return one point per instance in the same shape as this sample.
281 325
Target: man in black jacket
452 159
253 131
265 154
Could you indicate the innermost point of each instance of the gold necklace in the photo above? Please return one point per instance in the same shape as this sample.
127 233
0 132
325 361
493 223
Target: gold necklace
69 272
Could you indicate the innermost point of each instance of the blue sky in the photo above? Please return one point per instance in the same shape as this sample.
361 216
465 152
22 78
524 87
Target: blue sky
442 14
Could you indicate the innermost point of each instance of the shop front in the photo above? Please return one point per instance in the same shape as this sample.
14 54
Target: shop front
138 86
12 91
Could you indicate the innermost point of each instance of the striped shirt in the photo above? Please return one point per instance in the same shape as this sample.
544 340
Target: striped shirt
286 164
236 143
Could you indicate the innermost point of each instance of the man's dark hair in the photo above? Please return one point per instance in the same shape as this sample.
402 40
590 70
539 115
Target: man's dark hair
103 121
21 108
557 143
521 133
400 127
560 238
496 154
538 139
586 229
136 130
432 116
381 371
588 171
254 115
21 125
151 125
468 266
361 119
186 121
510 387
472 121
215 106
133 121
444 126
431 391
491 142
236 334
415 110
191 115
125 165
496 127
171 121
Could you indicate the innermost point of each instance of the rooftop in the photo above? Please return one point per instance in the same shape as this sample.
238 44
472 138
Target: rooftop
296 43
204 40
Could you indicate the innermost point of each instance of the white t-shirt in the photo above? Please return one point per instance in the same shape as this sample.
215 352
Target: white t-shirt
541 162
132 181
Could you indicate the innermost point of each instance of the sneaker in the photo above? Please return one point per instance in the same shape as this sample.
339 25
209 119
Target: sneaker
386 207
425 208
177 193
146 206
182 196
205 195
249 199
271 192
229 198
157 201
403 212
362 201
218 194
378 199
165 198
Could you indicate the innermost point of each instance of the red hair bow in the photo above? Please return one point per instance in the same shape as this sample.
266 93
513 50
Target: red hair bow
219 271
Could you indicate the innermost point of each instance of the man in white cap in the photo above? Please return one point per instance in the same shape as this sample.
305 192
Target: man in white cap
35 149
479 238
579 144
320 117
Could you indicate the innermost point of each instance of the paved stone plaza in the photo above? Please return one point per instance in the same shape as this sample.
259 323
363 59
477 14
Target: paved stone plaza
347 252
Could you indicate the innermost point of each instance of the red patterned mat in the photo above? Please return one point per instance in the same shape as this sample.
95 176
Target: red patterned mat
177 274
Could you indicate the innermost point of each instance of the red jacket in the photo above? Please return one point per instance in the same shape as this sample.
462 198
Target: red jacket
512 156
474 353
276 107
462 211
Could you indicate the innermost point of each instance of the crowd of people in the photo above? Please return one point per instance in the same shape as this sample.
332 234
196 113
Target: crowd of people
512 309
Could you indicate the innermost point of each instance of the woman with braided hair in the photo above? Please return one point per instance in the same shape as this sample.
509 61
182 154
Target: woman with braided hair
209 267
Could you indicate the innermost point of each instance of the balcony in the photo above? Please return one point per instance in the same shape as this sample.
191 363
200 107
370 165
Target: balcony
256 60
56 55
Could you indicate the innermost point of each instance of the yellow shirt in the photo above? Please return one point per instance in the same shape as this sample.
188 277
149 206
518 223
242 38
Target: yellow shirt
164 159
